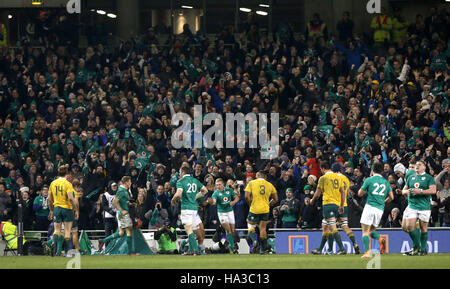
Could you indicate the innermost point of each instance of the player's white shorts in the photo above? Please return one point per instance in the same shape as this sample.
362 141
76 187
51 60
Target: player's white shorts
124 221
190 217
226 217
416 214
371 216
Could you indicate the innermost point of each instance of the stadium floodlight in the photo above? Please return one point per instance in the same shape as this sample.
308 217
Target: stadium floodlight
10 16
187 7
243 9
111 15
37 2
264 5
101 12
263 13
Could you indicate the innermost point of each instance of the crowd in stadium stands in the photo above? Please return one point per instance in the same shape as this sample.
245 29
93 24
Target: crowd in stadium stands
106 111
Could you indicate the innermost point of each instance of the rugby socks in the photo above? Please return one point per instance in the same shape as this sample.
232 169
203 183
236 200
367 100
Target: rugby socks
263 242
54 239
330 242
366 243
351 236
193 246
66 245
252 234
230 239
415 237
338 239
59 244
375 235
324 240
110 237
130 244
423 241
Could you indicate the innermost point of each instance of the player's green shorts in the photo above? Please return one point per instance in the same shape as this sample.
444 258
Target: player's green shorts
61 215
330 211
345 214
256 218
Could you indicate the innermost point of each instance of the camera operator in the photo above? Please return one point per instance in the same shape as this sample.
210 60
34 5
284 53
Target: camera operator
166 237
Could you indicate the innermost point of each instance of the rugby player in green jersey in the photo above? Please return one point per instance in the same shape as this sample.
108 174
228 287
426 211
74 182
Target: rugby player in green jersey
376 188
225 198
189 189
419 189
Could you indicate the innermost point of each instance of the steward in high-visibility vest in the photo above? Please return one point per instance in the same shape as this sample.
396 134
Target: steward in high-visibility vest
316 28
399 27
382 24
3 35
9 232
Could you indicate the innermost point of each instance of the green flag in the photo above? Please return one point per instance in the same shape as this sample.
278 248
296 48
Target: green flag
143 152
27 130
366 142
127 134
389 72
141 163
323 118
78 143
326 129
94 192
113 134
94 147
85 243
174 179
151 168
138 139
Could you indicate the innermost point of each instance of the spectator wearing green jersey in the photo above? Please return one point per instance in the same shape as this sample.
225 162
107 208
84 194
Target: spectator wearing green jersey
376 188
225 198
419 189
40 207
289 209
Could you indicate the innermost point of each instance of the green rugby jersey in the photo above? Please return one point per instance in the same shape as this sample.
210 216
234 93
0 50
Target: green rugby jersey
191 187
223 200
409 173
123 196
420 202
377 189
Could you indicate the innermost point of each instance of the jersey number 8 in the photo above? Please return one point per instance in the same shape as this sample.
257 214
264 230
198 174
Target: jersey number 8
262 190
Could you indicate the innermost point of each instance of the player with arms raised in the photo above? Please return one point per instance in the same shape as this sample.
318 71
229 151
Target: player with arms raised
189 189
258 193
419 189
376 188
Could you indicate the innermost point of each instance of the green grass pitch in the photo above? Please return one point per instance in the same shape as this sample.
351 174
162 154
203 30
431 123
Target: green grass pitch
387 261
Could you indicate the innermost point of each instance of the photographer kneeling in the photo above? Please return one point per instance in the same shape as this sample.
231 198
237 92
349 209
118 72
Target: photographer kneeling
166 237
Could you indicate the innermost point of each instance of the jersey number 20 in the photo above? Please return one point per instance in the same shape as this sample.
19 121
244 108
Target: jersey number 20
192 188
